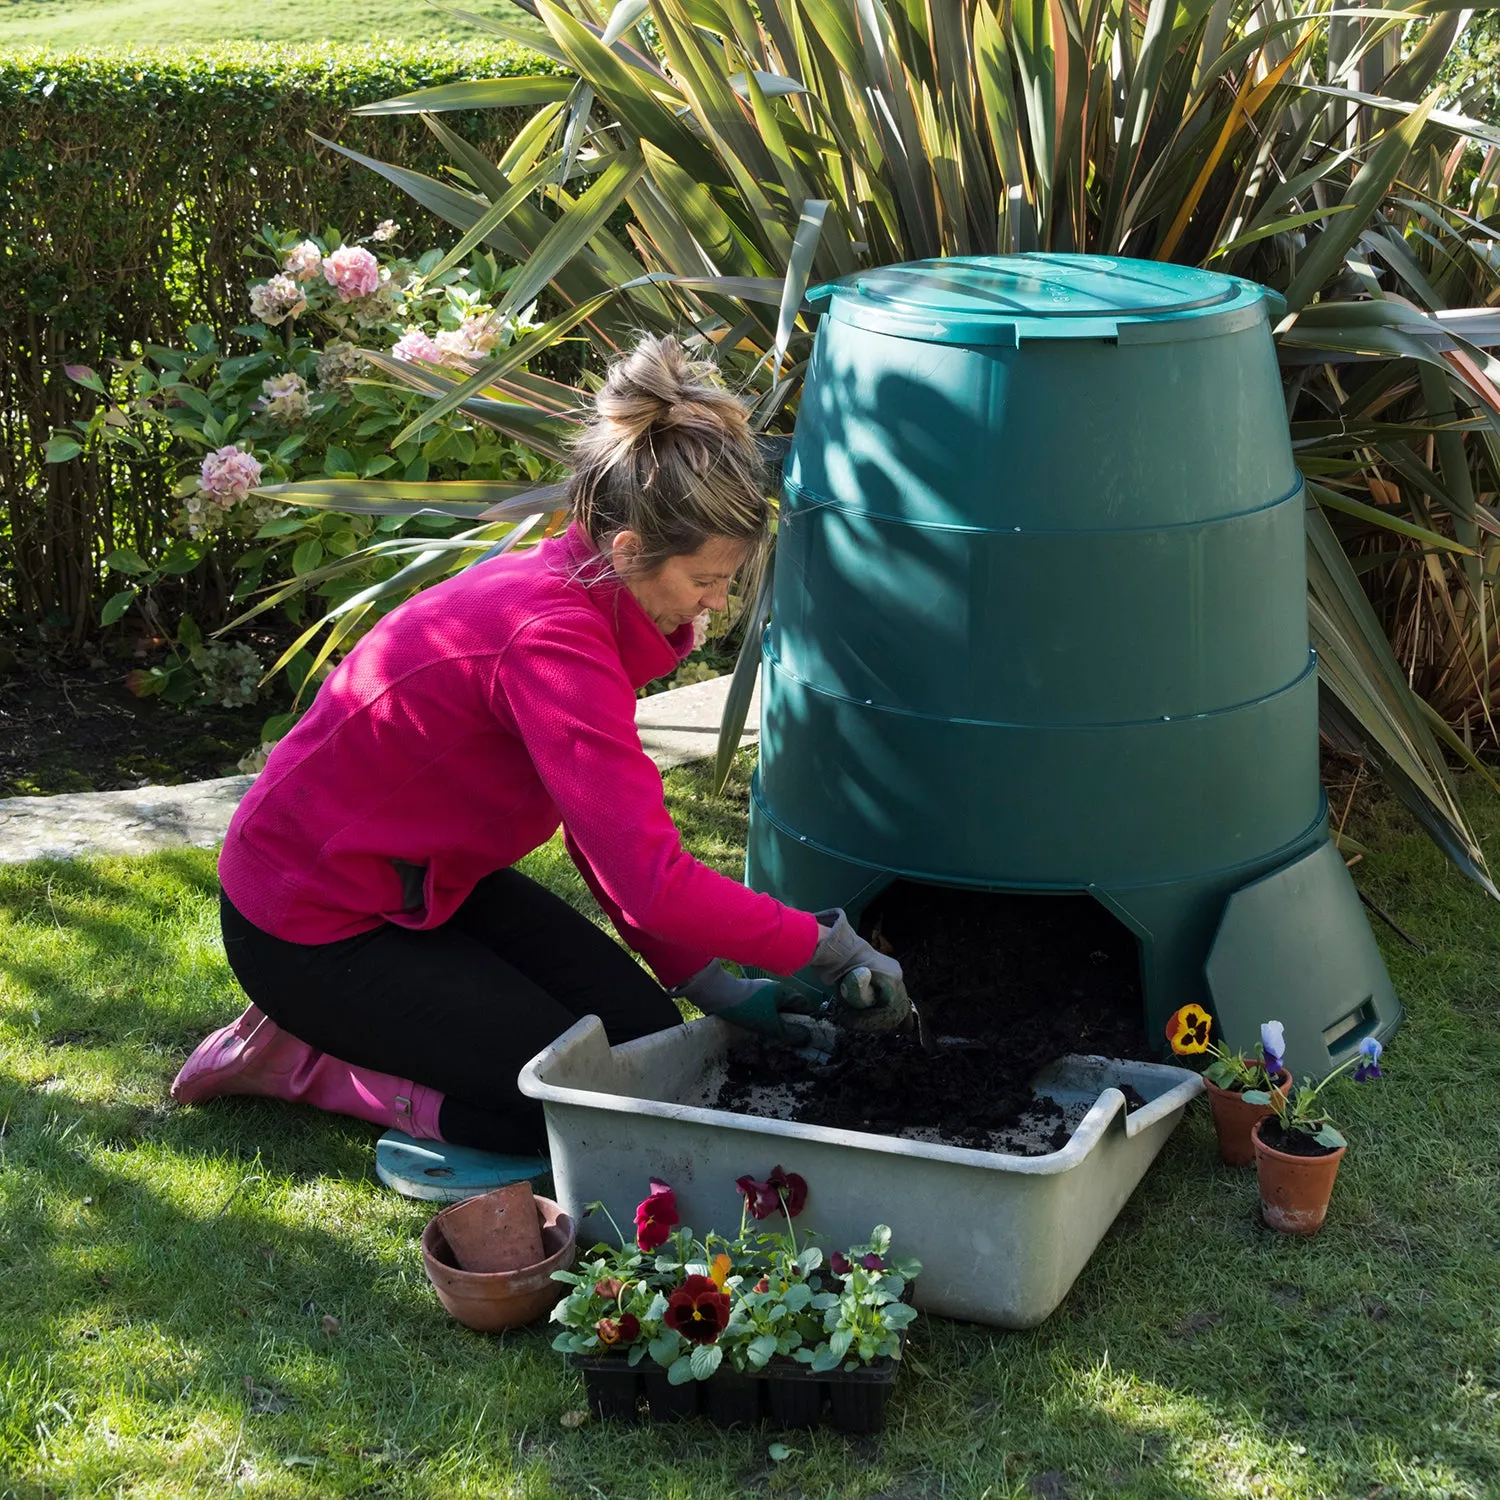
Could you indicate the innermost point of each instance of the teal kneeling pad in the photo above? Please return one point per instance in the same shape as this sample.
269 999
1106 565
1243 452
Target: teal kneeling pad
441 1173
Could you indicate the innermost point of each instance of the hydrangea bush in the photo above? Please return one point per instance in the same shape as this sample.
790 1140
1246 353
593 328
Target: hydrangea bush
300 402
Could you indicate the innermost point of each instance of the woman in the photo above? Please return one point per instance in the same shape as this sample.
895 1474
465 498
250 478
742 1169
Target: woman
399 970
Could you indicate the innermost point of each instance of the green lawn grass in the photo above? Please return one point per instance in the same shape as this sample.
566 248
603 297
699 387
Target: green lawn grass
147 23
164 1272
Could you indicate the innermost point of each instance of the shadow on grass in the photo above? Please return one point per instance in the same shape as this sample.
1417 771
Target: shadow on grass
189 1263
153 1259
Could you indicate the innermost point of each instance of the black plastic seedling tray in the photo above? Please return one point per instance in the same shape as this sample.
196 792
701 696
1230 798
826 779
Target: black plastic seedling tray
784 1395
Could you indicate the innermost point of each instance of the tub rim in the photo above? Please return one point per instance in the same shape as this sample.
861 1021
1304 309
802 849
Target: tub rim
1101 1116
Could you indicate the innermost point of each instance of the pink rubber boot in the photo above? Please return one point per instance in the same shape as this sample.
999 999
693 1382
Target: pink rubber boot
255 1056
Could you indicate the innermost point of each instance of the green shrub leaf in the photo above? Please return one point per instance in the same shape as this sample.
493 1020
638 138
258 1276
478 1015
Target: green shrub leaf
116 605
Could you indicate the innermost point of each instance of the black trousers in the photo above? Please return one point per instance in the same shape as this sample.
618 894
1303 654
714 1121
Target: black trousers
461 1007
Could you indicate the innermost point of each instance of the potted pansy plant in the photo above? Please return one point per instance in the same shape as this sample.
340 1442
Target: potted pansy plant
1235 1083
1298 1149
737 1326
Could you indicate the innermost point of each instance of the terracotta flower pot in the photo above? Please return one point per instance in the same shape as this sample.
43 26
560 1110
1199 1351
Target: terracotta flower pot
1294 1190
1234 1119
495 1231
488 1301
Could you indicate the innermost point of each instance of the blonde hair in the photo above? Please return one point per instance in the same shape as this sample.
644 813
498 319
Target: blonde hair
668 454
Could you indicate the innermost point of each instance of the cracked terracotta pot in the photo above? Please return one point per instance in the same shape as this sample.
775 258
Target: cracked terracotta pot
488 1301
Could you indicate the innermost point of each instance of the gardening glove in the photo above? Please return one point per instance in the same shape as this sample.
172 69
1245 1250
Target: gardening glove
871 993
759 1005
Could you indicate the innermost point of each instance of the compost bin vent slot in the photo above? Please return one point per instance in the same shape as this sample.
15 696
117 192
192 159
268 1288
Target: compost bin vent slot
1353 1027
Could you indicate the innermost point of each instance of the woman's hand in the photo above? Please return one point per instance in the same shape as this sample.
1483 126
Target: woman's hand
759 1005
871 992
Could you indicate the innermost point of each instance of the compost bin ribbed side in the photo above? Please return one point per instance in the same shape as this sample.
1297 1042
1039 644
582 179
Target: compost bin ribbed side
1049 604
1040 624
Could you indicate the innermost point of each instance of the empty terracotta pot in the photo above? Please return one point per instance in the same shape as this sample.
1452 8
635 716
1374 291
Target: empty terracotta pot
488 1301
495 1231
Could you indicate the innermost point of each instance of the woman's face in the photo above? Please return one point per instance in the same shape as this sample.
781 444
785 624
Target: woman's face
684 586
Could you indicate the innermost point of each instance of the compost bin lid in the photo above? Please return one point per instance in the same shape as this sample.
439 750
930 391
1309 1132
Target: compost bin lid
1004 299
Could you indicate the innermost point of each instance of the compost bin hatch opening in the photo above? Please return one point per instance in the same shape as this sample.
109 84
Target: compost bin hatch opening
979 962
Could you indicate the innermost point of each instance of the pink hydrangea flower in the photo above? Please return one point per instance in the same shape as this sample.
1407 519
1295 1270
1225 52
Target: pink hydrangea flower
276 300
352 272
453 344
386 229
229 475
481 332
700 629
338 364
284 397
414 344
303 261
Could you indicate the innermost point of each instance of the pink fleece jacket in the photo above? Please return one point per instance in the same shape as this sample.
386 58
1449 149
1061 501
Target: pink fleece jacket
456 737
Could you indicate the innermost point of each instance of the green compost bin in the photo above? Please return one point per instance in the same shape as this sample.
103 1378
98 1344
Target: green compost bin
1040 625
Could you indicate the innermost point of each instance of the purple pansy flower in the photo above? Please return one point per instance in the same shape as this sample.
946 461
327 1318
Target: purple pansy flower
1367 1069
1273 1046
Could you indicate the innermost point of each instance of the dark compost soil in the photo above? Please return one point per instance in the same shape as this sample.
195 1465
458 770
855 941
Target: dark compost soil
69 724
1023 980
1293 1142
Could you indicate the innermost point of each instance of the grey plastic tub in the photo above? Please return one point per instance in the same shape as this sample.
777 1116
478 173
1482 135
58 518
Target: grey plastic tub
1001 1238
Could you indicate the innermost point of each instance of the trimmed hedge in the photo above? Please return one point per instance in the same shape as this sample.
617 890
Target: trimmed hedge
130 184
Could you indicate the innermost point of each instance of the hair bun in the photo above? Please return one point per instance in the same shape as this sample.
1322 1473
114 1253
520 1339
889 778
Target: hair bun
656 386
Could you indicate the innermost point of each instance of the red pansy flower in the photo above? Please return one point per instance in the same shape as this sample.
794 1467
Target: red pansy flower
760 1197
622 1330
790 1188
656 1216
839 1263
698 1310
780 1189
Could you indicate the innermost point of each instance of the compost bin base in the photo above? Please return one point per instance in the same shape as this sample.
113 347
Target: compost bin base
1022 979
